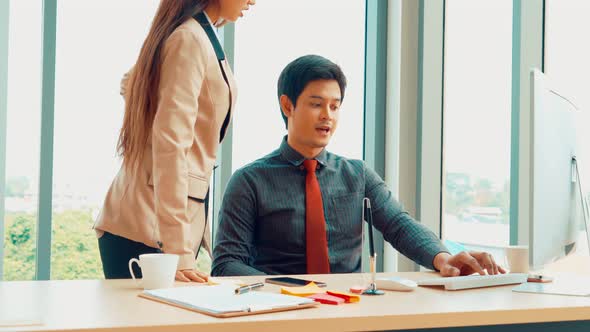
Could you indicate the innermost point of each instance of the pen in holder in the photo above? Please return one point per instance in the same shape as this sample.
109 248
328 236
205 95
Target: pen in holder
368 217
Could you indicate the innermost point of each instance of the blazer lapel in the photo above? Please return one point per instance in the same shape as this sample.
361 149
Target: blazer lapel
204 22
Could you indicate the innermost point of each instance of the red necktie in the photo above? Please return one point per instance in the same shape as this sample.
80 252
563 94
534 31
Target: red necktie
315 223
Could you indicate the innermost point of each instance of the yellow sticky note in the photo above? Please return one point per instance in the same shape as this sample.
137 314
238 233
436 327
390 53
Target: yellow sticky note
303 291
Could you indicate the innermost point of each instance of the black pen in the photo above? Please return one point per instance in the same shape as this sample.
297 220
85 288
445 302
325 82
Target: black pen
369 220
247 288
368 217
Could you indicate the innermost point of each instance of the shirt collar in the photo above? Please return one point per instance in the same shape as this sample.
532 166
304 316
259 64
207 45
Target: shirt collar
295 158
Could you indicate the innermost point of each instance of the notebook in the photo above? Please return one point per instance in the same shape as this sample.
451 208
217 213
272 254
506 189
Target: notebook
554 288
221 301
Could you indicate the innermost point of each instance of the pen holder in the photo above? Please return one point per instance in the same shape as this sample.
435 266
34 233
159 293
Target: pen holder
372 288
368 218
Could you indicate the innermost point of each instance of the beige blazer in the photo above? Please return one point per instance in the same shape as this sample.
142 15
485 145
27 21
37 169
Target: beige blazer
153 205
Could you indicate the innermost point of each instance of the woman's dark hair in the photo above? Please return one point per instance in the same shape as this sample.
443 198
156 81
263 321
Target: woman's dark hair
142 88
297 74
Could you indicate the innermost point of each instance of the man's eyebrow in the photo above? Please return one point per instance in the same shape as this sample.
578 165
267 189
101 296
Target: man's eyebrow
322 98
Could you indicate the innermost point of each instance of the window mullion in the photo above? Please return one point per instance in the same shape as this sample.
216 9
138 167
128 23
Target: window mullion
224 158
527 53
43 257
4 44
375 96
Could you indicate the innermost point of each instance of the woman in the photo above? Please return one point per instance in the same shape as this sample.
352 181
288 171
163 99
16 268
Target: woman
179 99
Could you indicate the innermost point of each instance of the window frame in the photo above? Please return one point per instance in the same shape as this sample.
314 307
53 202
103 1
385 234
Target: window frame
397 143
374 130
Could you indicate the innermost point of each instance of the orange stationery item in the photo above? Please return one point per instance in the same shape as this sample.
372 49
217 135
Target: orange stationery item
348 298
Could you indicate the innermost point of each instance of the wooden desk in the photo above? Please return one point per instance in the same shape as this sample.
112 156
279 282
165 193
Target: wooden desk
114 306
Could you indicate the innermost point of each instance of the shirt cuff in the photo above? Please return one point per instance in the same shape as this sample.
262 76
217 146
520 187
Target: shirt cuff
433 257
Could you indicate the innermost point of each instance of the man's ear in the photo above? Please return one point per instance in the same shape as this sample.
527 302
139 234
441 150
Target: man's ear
286 105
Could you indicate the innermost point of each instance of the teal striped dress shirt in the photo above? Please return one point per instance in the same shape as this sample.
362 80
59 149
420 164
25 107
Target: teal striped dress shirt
262 217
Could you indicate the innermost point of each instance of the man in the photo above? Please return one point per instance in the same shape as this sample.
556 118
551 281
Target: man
299 209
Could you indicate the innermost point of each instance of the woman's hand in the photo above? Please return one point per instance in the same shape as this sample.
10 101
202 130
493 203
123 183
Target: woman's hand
191 275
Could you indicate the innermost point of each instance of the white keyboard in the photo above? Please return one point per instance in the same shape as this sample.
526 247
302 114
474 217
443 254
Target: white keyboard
475 281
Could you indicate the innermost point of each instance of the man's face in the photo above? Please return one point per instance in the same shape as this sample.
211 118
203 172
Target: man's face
313 121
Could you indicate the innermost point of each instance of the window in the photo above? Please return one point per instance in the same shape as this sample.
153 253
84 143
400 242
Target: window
91 59
93 53
566 56
477 110
23 139
269 37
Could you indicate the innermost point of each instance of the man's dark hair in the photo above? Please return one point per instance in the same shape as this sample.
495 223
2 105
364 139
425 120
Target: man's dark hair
295 77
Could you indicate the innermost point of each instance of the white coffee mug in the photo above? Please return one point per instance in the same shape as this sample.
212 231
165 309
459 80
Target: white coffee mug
158 270
517 258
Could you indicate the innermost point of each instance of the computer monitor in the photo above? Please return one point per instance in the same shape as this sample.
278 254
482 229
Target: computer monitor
558 211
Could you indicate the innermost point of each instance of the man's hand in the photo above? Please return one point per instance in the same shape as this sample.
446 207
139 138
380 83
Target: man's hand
466 263
191 275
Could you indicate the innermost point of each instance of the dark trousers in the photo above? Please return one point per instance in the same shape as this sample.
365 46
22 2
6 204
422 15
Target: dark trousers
115 253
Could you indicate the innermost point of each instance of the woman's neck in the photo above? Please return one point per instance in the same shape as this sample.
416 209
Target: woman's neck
213 12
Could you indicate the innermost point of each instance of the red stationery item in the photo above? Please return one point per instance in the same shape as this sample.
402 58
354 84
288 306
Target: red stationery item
326 298
349 298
